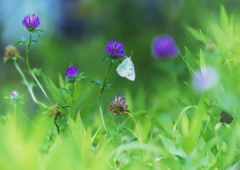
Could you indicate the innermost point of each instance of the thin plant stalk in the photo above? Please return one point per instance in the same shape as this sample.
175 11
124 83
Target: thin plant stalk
29 87
138 133
30 70
14 113
100 95
137 136
73 101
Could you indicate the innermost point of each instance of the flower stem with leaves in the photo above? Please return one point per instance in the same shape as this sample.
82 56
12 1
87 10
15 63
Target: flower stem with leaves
115 50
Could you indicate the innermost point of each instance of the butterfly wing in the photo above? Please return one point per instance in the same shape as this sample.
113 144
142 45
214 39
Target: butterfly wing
131 74
122 69
126 69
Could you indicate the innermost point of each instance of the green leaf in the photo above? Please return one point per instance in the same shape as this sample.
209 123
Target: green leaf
65 106
42 111
196 33
97 82
114 59
39 30
33 41
21 42
106 58
190 61
71 88
202 59
108 85
80 76
38 34
171 147
224 19
64 91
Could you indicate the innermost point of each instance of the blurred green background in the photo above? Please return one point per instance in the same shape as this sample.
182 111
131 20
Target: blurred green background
76 32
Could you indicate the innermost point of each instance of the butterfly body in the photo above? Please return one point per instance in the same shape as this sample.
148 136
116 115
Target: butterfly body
126 69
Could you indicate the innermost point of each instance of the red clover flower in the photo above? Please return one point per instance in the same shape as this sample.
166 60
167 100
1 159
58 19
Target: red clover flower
164 46
71 73
118 106
115 49
31 22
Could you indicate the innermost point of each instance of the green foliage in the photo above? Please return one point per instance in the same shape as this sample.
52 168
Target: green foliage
170 126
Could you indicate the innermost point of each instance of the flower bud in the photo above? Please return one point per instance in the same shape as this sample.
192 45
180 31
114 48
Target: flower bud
14 95
71 73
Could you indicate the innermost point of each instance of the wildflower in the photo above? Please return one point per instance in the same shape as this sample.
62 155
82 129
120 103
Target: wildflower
11 54
117 106
115 49
31 22
54 112
125 139
164 46
205 78
71 73
14 95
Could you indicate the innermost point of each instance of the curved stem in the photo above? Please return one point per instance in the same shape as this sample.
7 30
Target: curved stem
100 95
29 68
138 134
28 85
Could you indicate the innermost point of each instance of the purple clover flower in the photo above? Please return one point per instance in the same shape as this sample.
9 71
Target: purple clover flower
71 73
31 22
118 106
115 49
205 78
14 95
164 46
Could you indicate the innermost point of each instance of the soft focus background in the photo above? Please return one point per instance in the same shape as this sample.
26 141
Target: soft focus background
179 128
76 32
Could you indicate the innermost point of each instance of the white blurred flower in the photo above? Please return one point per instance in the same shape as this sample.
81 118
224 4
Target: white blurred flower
205 78
14 95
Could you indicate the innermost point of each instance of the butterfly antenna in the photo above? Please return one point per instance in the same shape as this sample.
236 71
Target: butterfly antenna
131 53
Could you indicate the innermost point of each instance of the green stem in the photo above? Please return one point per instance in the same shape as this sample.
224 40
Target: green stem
103 85
14 112
100 95
58 131
139 135
29 68
72 95
28 85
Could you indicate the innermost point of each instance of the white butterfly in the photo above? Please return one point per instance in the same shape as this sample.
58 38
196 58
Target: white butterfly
126 69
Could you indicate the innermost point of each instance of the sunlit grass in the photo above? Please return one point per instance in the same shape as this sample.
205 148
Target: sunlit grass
173 127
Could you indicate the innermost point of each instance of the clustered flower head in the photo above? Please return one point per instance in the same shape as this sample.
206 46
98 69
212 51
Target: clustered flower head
54 112
14 95
205 78
164 46
11 53
71 73
115 49
118 106
31 22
